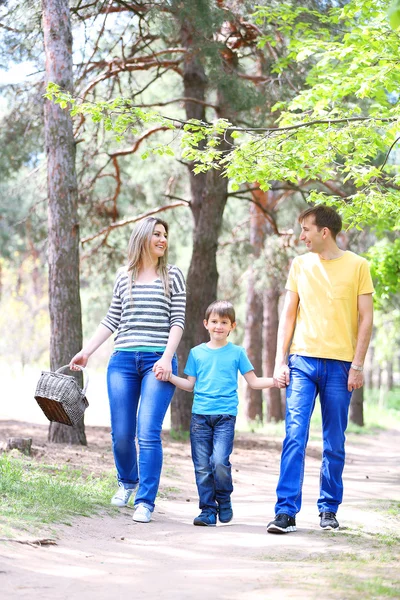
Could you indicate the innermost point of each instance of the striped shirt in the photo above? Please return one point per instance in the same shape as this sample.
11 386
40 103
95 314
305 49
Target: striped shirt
145 317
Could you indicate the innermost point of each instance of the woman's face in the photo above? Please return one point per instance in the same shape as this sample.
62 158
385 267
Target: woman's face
158 242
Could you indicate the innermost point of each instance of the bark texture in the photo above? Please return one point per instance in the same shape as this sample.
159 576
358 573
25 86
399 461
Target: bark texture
63 226
253 342
357 407
271 321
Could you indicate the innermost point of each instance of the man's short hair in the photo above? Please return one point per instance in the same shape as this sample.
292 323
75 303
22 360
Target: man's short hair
222 308
324 216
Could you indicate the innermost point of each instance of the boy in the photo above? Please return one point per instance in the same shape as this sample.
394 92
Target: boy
212 373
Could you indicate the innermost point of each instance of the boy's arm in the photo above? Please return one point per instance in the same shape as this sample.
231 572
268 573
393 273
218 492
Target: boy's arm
182 383
259 383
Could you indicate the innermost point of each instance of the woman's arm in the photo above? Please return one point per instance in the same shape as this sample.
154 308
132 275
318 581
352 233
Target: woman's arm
259 383
177 323
175 336
101 334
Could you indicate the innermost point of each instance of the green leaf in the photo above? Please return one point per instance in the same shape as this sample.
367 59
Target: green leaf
394 14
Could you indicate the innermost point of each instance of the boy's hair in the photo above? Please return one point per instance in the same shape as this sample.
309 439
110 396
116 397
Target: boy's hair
222 308
324 216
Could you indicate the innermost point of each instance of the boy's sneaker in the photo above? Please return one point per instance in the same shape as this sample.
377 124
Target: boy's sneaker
225 512
122 495
328 521
142 514
206 519
282 524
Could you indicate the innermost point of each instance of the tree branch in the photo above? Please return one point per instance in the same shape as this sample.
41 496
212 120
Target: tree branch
136 145
153 211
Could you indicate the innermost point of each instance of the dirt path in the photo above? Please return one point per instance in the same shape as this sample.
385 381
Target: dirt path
107 558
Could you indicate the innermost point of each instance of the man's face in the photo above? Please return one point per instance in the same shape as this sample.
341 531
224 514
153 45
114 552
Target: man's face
313 238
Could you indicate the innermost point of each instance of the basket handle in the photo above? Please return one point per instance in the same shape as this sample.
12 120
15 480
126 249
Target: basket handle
86 376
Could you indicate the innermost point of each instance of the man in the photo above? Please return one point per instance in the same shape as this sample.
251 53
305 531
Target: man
328 311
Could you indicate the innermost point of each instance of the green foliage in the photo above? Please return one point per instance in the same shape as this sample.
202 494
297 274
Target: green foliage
385 268
35 494
118 115
341 126
394 14
391 400
336 127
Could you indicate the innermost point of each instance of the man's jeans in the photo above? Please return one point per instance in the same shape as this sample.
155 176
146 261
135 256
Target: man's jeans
130 377
211 438
309 377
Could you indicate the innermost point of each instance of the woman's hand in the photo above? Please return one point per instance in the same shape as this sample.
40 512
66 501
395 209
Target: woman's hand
163 369
79 359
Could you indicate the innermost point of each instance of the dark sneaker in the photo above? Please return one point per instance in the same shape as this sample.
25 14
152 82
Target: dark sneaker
225 512
206 519
282 524
328 521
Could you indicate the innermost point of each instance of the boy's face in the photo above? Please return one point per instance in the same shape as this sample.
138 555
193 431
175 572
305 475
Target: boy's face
218 327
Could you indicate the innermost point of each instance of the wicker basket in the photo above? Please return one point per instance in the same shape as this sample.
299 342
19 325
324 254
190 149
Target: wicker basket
60 397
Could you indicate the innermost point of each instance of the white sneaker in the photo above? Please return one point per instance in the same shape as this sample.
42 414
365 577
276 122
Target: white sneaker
122 495
142 514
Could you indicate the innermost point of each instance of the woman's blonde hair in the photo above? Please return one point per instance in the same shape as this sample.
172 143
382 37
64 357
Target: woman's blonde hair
139 248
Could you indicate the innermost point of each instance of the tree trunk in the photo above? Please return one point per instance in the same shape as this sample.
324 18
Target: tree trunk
271 321
63 226
357 407
253 342
390 379
378 380
209 195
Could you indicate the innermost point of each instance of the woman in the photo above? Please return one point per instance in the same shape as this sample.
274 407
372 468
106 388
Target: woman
147 312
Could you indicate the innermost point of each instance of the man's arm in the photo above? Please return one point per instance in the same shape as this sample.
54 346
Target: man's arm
365 320
287 324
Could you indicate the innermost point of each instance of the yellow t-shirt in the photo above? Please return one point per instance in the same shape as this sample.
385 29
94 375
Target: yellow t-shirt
327 318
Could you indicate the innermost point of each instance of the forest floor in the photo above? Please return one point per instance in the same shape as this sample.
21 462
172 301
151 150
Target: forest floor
109 557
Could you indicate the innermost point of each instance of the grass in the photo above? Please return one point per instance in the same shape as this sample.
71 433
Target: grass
35 495
356 563
179 435
374 587
390 507
168 492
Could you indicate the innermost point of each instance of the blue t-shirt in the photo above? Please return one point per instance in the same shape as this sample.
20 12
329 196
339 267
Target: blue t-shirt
216 372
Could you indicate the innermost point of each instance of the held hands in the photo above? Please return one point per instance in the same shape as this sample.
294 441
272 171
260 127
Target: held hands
277 383
159 373
281 376
162 369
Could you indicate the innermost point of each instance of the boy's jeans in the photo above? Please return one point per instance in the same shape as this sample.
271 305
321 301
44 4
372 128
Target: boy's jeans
130 377
211 438
309 377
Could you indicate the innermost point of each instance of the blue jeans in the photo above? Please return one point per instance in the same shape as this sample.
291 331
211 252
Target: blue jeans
309 377
211 438
130 378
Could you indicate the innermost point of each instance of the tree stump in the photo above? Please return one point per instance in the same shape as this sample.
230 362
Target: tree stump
24 445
